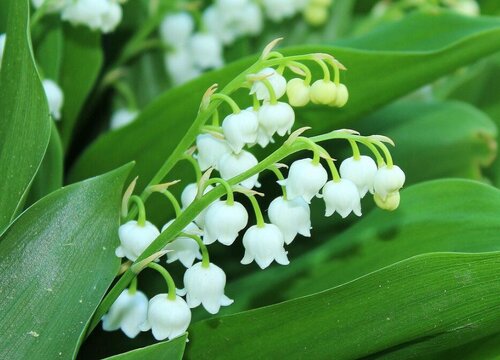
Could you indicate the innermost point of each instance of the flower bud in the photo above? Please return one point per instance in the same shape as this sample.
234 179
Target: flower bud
342 96
206 51
388 180
298 92
183 248
122 117
390 203
278 117
128 313
175 29
316 15
210 150
264 245
240 129
341 197
55 97
291 216
231 165
167 318
305 179
223 222
361 172
323 92
205 285
278 83
134 239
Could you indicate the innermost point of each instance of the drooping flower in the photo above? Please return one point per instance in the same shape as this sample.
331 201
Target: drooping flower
305 179
277 81
206 51
231 165
205 285
223 222
264 245
323 92
240 129
122 117
210 150
278 117
361 172
167 318
180 66
183 248
127 313
388 180
291 216
342 197
341 97
278 10
134 239
187 197
298 92
53 6
103 15
390 203
55 98
176 29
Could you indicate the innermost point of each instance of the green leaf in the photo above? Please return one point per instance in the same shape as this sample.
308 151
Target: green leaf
50 174
168 350
48 42
81 62
418 306
24 115
436 216
57 260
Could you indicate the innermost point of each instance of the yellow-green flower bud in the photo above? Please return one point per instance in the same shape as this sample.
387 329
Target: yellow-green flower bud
315 15
298 92
342 96
390 203
323 92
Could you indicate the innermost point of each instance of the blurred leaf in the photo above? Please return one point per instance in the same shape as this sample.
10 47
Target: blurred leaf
483 348
48 43
436 216
50 174
81 62
168 350
24 125
57 260
422 305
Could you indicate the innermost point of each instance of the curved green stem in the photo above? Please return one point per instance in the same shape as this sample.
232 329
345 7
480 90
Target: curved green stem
132 289
385 150
173 201
195 165
205 258
324 67
215 119
280 176
311 145
305 68
355 150
126 93
258 212
225 184
168 279
234 107
141 219
272 94
331 165
256 102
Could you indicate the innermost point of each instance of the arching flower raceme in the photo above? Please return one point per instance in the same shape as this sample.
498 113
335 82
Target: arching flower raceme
175 29
240 129
206 51
298 92
167 318
205 285
341 197
210 150
187 197
278 117
103 15
361 172
128 313
122 117
291 216
278 83
264 245
232 164
134 239
183 248
3 37
223 222
305 179
388 180
55 98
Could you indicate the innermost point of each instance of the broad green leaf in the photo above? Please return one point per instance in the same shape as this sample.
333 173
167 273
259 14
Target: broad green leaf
24 115
48 42
168 350
81 62
436 216
162 124
50 174
57 260
419 306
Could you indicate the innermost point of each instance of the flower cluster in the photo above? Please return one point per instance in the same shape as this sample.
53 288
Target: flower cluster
102 15
226 148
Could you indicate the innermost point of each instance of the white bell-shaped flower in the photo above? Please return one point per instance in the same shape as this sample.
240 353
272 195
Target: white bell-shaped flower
112 17
215 23
122 117
206 51
298 92
3 37
167 318
263 138
278 117
361 172
240 129
264 245
134 239
205 285
277 81
291 216
223 222
183 248
231 165
128 313
187 197
249 20
388 180
55 98
305 179
103 15
175 29
210 150
53 5
180 66
341 197
277 10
